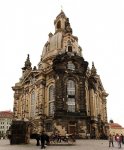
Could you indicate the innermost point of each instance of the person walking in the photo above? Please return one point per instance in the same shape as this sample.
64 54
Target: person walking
67 137
122 138
47 139
111 140
119 140
42 138
38 139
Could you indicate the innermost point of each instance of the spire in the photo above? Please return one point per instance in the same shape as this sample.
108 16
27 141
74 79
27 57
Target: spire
61 8
60 5
60 15
27 63
93 70
62 23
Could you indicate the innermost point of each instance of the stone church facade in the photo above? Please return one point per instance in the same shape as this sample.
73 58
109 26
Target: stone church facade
62 94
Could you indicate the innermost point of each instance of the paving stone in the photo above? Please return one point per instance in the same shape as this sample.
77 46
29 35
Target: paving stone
79 145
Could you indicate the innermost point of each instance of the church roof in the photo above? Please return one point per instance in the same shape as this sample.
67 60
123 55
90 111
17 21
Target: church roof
115 126
6 114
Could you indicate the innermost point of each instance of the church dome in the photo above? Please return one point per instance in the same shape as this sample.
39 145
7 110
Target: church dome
62 40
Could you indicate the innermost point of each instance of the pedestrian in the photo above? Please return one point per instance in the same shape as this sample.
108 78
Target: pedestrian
67 136
38 139
47 139
119 140
122 138
42 138
59 138
110 140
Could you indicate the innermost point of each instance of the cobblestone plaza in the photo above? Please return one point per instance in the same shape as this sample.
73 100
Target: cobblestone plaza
79 145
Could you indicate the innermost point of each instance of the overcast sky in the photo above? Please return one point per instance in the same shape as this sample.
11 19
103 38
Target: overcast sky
98 24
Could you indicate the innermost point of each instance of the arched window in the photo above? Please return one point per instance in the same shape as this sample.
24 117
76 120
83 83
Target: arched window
69 48
70 65
51 99
71 96
59 25
32 112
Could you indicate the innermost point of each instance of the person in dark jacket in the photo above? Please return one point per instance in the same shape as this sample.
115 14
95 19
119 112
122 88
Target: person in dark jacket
47 139
110 138
38 139
43 138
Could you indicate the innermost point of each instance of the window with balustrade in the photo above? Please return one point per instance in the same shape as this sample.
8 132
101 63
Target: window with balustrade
70 96
51 99
33 107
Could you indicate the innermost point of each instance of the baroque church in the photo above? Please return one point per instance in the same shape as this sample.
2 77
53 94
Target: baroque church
62 94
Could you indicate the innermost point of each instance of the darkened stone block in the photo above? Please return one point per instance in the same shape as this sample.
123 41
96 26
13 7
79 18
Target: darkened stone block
19 132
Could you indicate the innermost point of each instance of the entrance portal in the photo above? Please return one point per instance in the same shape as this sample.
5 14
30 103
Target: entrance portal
71 129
